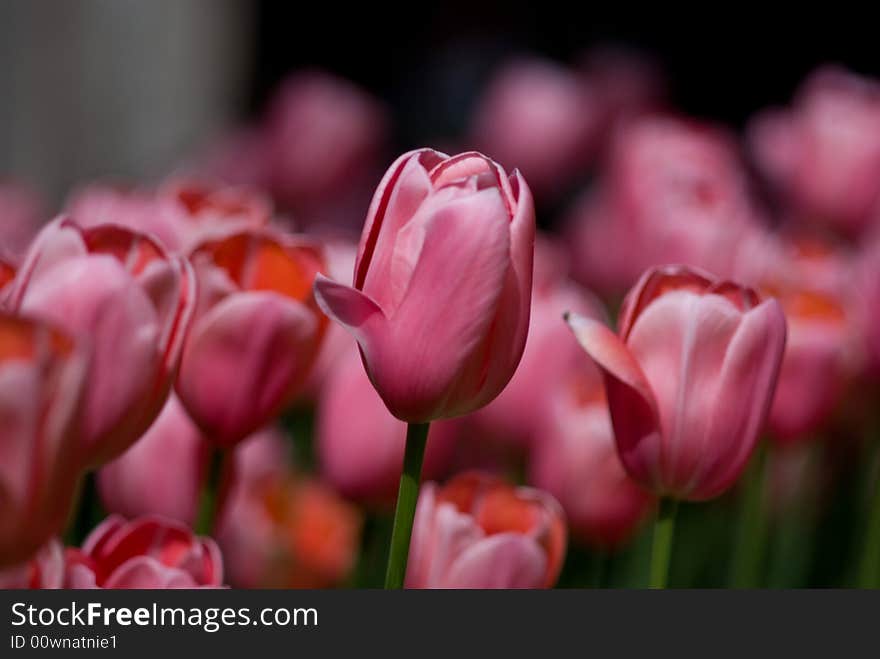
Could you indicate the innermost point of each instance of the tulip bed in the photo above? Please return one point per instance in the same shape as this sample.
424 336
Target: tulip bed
272 371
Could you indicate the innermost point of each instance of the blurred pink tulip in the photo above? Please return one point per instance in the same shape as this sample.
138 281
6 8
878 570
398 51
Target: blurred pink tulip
44 571
255 335
21 215
519 410
674 192
281 530
442 286
478 532
134 208
360 444
7 274
162 474
824 152
120 290
146 553
689 378
541 118
574 458
42 375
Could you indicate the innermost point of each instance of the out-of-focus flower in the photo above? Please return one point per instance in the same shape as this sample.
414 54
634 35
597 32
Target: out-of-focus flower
7 274
256 332
121 291
479 532
813 283
441 294
869 275
519 410
574 459
44 571
279 530
674 193
824 152
130 207
541 118
149 552
20 217
42 376
360 444
689 379
162 474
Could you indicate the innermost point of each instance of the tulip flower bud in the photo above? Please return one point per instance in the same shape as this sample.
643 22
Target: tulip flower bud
478 532
255 335
689 378
442 285
145 553
133 301
42 375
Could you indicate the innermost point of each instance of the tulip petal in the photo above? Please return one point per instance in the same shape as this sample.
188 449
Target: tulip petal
352 309
631 399
505 560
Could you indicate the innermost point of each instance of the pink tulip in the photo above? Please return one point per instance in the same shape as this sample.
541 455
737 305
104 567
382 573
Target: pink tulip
543 119
134 208
162 474
20 218
574 458
478 532
824 152
281 530
255 335
42 375
442 286
44 571
689 378
120 290
361 444
7 274
674 192
146 553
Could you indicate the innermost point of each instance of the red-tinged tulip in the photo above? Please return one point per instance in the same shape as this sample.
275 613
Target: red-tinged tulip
360 444
146 553
255 335
20 218
543 119
479 532
442 286
42 377
574 458
689 378
44 571
280 530
824 152
134 208
121 291
7 274
162 474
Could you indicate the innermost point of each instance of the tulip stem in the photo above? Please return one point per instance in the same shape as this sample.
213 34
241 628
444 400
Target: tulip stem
407 496
661 545
869 566
209 501
752 528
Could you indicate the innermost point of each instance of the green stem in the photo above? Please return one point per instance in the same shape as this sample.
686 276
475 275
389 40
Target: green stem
407 496
869 565
661 546
209 501
752 528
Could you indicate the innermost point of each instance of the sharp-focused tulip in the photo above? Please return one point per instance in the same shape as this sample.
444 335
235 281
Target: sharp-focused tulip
121 291
44 571
824 152
689 378
42 376
146 553
162 473
280 530
20 218
541 118
574 458
442 285
255 334
479 532
361 444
